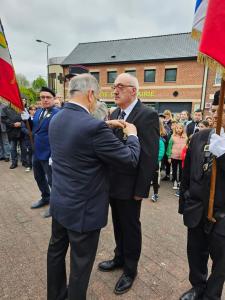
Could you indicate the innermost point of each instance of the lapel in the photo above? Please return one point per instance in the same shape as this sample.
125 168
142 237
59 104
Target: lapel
40 123
133 113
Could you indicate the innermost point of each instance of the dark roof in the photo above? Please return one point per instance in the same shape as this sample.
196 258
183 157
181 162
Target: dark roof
56 60
164 47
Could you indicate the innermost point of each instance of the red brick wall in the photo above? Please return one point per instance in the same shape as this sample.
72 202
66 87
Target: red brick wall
188 83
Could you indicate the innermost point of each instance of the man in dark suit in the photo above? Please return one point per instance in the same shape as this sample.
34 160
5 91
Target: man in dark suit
12 121
192 127
42 169
82 149
204 239
128 188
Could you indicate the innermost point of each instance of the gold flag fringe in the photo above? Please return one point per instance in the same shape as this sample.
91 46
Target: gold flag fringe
195 34
211 64
17 109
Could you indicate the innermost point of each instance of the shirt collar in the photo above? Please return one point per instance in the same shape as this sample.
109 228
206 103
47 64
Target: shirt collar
129 108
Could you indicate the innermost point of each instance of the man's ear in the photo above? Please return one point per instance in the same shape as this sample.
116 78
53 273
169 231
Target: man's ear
89 95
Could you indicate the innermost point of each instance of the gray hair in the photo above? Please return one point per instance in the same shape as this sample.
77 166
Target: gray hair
83 83
132 79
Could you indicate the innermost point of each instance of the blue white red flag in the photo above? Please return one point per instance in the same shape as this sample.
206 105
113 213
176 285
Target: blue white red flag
199 18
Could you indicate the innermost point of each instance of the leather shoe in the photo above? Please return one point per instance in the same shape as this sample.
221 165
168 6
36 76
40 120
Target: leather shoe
123 284
192 294
46 213
39 203
13 166
109 265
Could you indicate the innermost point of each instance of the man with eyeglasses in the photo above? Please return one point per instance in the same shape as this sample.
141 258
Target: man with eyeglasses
42 153
204 239
129 187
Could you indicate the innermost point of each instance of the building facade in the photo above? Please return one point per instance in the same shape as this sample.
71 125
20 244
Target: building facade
55 75
166 67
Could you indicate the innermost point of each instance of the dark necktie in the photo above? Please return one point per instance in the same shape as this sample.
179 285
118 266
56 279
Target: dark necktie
42 115
122 115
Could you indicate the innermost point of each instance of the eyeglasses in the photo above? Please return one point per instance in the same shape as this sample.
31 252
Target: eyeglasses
121 86
46 97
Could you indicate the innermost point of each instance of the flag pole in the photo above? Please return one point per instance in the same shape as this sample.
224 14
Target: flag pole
213 175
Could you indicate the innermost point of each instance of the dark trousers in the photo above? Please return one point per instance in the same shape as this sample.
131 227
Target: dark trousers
13 149
27 154
166 165
155 180
83 247
176 166
127 232
43 177
199 247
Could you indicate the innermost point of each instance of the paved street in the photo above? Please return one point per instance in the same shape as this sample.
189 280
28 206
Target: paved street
24 236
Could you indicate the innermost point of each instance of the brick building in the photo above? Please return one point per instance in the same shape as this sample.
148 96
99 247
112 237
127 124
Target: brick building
166 67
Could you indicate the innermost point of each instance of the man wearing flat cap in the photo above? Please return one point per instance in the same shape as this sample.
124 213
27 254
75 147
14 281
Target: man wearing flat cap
42 152
204 238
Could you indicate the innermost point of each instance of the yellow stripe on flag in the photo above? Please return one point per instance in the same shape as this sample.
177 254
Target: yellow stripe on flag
2 41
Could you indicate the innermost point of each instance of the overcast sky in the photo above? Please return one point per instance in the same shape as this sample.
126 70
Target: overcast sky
65 23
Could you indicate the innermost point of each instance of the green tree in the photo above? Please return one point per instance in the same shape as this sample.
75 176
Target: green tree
22 80
29 93
38 83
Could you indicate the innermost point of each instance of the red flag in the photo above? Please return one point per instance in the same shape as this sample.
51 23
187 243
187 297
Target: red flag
8 85
212 45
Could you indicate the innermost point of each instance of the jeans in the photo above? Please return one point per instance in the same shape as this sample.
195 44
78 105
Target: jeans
13 149
4 145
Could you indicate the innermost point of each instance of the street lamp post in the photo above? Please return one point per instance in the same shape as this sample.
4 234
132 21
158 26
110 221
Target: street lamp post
47 44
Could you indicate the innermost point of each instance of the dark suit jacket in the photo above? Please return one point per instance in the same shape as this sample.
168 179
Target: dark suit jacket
190 128
82 148
195 184
8 117
125 183
40 133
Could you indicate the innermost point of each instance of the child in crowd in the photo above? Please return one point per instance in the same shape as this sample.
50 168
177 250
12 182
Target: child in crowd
176 143
156 176
204 124
210 121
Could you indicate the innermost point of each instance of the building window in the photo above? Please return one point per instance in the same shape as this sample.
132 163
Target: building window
96 75
170 75
131 72
218 79
111 76
149 75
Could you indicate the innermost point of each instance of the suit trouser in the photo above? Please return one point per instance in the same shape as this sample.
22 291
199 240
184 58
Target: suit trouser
127 232
199 247
82 255
43 177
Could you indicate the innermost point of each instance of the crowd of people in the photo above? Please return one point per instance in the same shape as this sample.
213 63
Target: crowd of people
85 158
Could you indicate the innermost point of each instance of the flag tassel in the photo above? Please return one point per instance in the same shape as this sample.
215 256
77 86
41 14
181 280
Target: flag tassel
211 63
